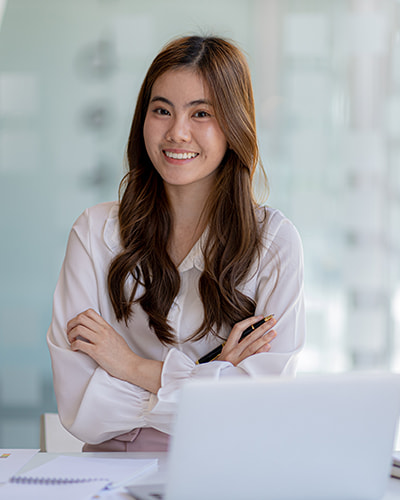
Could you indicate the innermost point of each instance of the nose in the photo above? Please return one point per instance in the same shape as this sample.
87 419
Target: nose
179 130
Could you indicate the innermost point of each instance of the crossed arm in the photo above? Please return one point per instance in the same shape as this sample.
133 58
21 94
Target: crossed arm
89 333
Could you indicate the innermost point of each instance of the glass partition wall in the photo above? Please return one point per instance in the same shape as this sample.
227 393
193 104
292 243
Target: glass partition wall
327 86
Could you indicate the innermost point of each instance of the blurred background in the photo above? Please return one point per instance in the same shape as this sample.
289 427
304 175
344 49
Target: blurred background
326 77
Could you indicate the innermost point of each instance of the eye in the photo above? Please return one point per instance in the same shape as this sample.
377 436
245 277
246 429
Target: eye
201 114
161 111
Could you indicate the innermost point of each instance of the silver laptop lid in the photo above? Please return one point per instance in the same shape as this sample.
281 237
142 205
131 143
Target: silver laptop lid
312 438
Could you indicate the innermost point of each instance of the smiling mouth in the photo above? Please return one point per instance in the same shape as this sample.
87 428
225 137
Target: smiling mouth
180 156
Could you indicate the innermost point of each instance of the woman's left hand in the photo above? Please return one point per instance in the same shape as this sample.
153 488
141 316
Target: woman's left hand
236 350
91 334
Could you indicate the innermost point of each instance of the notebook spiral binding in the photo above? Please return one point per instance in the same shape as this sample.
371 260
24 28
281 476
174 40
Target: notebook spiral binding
51 481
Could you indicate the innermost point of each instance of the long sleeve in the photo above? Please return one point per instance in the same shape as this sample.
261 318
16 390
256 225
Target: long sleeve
88 398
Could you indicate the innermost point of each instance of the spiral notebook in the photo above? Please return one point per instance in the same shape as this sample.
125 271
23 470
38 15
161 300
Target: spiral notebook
12 460
75 477
69 491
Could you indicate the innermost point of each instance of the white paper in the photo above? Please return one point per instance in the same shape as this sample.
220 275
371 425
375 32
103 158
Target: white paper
112 470
11 461
78 491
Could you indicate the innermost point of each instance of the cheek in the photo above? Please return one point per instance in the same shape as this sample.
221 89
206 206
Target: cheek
153 133
150 140
216 139
147 134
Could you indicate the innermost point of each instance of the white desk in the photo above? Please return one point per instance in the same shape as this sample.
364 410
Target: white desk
158 477
392 493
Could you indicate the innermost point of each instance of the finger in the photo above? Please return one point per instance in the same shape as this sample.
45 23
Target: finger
270 335
240 327
83 318
265 348
82 346
254 345
258 332
83 333
268 323
88 319
82 327
96 317
260 345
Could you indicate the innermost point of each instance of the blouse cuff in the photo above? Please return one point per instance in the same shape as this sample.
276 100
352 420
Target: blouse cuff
271 363
177 369
108 396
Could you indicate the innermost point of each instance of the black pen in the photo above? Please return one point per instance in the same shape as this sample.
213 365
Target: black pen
217 351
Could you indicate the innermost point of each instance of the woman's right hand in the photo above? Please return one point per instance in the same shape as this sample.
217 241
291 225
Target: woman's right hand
236 350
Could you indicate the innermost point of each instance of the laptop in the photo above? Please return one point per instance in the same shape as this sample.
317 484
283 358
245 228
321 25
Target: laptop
316 437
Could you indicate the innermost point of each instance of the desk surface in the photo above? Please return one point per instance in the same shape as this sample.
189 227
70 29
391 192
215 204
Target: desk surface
392 492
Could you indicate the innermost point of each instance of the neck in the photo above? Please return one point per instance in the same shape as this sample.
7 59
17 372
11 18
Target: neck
188 221
187 205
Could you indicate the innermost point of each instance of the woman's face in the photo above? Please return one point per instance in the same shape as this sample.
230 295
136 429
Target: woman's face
182 136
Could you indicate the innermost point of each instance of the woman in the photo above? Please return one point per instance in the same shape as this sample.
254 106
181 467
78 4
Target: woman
185 261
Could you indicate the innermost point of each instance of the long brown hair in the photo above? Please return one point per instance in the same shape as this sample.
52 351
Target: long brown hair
233 238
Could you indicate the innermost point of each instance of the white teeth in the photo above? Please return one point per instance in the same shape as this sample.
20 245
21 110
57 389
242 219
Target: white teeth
180 156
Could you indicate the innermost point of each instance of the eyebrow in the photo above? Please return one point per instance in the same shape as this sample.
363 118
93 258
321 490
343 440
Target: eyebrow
196 102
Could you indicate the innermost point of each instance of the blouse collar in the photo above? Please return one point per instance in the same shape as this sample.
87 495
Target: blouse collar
195 257
111 230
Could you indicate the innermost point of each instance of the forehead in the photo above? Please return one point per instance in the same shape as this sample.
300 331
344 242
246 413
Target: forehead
181 84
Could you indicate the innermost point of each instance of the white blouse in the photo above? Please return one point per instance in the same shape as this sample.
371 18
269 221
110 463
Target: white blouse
93 405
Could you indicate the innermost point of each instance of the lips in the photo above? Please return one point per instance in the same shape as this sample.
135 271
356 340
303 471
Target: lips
186 155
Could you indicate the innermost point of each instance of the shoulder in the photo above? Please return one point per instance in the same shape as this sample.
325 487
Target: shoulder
97 215
279 236
100 222
274 224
